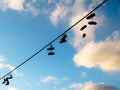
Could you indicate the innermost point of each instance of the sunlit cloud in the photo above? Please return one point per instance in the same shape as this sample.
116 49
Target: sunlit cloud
58 14
30 7
92 86
3 65
19 5
49 79
13 88
78 40
104 54
2 58
11 4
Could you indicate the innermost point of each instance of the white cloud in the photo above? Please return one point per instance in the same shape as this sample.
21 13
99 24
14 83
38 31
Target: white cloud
68 9
59 13
15 71
79 10
19 5
30 7
2 59
12 4
49 79
77 39
92 86
104 54
78 7
3 65
13 88
9 66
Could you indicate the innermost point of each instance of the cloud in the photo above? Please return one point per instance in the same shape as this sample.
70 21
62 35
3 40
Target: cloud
59 13
11 4
8 66
69 10
104 54
3 65
2 59
13 88
49 79
92 86
20 5
52 80
78 40
30 7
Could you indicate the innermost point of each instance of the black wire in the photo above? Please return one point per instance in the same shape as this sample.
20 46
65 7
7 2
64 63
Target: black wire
52 41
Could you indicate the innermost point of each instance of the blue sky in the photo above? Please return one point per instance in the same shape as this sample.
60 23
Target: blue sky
80 64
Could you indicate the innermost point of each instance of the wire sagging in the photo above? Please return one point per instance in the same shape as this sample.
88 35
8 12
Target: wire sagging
52 41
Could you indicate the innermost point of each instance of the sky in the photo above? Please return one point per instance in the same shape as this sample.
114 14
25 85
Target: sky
86 63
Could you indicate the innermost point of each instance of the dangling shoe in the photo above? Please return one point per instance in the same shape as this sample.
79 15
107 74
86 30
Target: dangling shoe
51 48
7 81
11 77
51 53
63 40
91 16
92 23
4 81
83 27
84 35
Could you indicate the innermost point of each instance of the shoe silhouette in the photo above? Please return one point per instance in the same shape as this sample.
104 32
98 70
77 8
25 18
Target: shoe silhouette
83 27
84 35
51 53
91 16
51 48
63 39
7 81
92 23
11 77
4 81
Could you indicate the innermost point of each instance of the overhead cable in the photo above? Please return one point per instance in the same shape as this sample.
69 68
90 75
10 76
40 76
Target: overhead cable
52 41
